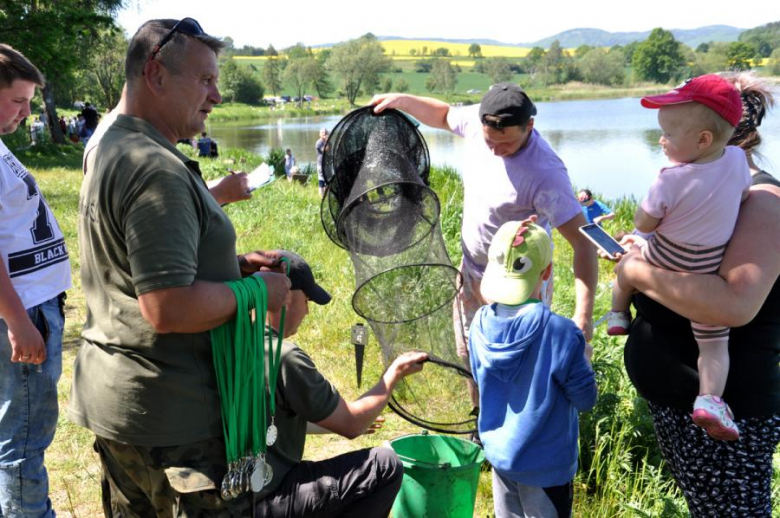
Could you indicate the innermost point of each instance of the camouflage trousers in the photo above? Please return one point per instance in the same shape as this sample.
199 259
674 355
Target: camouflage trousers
184 481
166 481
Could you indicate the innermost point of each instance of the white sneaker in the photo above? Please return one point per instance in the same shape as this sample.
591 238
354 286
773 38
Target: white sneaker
715 416
618 323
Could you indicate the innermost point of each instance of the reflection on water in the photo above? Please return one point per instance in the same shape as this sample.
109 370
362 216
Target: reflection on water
610 146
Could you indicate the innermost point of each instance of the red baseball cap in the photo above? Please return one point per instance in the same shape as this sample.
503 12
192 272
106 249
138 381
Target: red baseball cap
710 90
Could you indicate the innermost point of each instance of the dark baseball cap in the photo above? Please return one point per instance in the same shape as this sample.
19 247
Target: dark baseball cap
509 103
302 279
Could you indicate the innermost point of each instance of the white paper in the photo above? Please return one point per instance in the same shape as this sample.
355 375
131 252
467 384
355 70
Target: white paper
262 175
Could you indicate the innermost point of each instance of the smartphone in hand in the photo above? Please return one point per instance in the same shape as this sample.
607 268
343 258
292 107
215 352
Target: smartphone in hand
601 239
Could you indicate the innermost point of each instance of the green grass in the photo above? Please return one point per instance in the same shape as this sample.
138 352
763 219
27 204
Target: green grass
621 472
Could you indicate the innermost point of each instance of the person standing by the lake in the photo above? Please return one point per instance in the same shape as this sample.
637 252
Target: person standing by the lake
717 478
320 147
289 163
513 173
34 274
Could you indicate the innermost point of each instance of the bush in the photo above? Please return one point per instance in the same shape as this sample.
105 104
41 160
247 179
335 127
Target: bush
237 84
276 159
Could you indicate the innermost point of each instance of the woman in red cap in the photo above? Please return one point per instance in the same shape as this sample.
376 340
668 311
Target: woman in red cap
718 478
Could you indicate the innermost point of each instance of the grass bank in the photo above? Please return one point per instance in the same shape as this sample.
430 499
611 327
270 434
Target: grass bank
621 472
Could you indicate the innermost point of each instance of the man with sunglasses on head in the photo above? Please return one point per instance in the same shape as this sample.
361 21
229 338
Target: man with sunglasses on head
34 274
156 249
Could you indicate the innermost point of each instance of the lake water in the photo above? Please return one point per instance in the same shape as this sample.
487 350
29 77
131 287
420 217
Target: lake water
610 146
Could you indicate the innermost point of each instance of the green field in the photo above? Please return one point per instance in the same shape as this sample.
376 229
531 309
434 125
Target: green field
620 469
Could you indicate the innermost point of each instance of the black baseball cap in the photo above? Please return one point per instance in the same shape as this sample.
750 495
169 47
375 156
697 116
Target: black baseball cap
302 279
509 103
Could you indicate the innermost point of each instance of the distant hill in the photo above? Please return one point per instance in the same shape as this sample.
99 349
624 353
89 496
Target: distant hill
597 38
481 41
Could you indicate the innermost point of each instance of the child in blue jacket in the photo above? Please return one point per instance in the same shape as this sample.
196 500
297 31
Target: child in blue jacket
533 371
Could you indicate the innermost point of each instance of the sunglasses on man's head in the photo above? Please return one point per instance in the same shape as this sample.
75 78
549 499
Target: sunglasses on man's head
187 26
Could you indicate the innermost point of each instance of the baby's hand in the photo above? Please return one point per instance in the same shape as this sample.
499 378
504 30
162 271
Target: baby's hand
603 255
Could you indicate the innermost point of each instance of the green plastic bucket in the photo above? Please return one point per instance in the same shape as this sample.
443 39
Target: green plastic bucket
440 476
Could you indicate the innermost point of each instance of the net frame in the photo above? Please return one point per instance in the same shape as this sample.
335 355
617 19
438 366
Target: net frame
347 156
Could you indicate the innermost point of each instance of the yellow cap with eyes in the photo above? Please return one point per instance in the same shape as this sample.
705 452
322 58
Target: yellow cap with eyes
517 257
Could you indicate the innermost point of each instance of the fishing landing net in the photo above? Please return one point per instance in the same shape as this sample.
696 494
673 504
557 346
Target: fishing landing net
380 208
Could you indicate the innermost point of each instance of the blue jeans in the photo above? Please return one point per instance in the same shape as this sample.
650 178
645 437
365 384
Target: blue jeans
28 417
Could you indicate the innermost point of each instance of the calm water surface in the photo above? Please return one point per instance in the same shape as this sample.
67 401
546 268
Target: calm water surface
610 146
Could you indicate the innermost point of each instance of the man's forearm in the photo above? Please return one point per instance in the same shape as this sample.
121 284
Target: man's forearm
586 278
202 306
11 307
431 112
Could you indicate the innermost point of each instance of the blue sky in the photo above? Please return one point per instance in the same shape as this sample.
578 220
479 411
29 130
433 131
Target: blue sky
282 24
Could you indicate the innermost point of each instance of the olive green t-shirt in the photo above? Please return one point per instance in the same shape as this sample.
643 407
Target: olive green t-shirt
303 395
146 222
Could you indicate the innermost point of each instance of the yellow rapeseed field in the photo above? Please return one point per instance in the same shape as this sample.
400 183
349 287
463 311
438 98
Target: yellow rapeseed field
401 49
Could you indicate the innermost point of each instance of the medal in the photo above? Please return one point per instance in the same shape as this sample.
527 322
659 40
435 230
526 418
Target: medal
257 480
270 437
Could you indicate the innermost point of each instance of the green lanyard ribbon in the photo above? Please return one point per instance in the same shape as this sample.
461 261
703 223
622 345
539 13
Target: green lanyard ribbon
246 393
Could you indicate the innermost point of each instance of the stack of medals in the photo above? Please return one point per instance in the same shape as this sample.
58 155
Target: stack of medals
238 350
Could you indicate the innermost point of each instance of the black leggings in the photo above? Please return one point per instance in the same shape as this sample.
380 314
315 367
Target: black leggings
719 478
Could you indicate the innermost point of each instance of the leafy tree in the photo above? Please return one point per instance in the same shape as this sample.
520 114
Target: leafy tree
230 46
739 55
59 37
423 66
272 75
359 63
442 52
552 64
714 60
601 67
582 50
765 38
401 85
386 84
237 84
300 74
443 77
628 51
271 51
412 52
248 50
658 58
534 59
498 70
322 82
298 51
703 48
475 51
424 50
104 78
773 64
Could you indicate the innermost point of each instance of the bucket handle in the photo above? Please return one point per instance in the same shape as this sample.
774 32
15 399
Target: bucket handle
446 465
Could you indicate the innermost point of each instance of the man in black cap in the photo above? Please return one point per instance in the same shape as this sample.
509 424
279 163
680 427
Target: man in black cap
512 173
359 483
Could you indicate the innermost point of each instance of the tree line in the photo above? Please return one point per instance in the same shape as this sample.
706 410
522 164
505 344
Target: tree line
363 67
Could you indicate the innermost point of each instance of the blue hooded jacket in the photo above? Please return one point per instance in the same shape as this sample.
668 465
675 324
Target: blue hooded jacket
533 379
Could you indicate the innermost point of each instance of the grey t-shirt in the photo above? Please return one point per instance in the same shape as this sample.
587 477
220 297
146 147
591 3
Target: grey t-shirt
146 222
303 395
